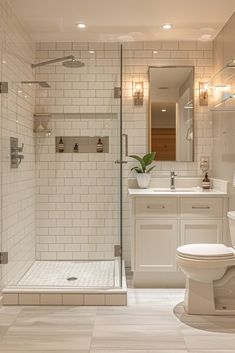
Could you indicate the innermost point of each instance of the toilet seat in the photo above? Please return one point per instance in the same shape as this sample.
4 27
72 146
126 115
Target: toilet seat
206 251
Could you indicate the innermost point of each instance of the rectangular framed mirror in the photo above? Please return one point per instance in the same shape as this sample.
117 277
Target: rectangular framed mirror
171 113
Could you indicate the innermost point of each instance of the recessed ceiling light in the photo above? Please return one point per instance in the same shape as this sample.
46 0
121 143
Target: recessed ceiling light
91 51
205 37
4 61
163 110
155 52
166 26
81 25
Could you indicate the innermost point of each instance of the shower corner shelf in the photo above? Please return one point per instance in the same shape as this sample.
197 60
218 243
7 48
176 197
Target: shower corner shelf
46 132
41 124
224 84
42 115
225 105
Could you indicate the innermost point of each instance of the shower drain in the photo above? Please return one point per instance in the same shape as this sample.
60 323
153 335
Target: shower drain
72 278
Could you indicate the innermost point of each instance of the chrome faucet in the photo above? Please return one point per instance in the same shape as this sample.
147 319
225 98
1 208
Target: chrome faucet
173 180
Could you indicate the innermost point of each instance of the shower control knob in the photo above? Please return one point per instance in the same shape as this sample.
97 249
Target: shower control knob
20 149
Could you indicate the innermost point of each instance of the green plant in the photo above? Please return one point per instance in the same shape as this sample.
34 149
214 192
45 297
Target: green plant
144 162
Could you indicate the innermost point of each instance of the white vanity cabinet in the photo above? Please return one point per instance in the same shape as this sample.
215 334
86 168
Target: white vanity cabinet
160 224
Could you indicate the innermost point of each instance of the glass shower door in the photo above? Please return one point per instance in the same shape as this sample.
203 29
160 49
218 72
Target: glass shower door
121 151
1 69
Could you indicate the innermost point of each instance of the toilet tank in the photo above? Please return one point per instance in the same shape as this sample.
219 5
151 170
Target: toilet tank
231 220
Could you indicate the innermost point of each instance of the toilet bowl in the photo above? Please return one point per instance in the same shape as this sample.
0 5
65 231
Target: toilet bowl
210 276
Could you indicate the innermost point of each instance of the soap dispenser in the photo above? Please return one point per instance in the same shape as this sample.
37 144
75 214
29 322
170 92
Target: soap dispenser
206 182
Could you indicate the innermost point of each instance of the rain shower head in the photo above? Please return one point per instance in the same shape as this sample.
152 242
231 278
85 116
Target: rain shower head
68 61
42 84
73 63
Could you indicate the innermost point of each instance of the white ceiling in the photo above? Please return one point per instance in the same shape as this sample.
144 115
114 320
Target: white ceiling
122 20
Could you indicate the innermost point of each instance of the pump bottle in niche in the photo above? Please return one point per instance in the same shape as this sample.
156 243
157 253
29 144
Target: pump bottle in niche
61 145
99 146
76 148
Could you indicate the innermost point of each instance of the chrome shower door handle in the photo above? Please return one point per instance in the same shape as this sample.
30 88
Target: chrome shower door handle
118 161
125 136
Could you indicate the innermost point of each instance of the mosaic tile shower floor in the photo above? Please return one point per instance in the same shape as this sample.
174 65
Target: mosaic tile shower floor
98 274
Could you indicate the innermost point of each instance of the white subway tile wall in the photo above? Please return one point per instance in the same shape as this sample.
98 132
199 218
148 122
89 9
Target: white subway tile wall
18 186
77 195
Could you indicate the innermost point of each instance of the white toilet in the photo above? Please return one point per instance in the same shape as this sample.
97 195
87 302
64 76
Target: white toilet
210 276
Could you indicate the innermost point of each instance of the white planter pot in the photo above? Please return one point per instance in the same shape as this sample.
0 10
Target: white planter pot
143 180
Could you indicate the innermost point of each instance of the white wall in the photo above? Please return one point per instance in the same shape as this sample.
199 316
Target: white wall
75 192
76 195
18 185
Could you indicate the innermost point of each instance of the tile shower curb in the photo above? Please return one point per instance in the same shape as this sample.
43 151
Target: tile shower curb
57 296
64 299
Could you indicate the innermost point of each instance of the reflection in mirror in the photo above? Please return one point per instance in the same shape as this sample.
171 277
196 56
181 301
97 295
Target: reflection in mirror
171 113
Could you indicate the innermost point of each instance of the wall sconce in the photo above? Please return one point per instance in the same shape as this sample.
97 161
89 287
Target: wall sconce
203 94
138 92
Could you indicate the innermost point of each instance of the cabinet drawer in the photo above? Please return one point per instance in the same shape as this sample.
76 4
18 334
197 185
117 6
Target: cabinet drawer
151 207
201 207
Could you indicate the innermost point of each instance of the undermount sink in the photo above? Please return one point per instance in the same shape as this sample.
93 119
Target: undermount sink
193 189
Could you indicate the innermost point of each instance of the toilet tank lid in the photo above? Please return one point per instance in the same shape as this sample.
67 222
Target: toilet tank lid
206 250
231 214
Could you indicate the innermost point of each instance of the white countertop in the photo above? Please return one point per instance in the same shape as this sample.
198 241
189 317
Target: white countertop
183 192
184 187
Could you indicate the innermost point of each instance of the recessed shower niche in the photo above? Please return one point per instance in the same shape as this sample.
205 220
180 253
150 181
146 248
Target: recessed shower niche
82 144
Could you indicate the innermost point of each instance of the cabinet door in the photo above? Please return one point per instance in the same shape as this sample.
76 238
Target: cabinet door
200 231
155 245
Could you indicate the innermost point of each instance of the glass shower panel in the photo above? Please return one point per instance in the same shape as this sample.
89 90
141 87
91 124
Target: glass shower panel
1 64
17 179
72 166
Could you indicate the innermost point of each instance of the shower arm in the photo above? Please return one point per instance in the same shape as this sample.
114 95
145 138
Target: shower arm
53 61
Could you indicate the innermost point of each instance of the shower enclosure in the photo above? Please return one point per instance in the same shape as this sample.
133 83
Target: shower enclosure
61 207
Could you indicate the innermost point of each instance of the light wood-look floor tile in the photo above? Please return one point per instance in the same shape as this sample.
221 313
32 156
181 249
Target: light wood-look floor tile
153 322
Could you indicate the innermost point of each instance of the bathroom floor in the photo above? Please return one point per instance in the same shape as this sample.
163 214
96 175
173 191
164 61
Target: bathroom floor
153 322
70 273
